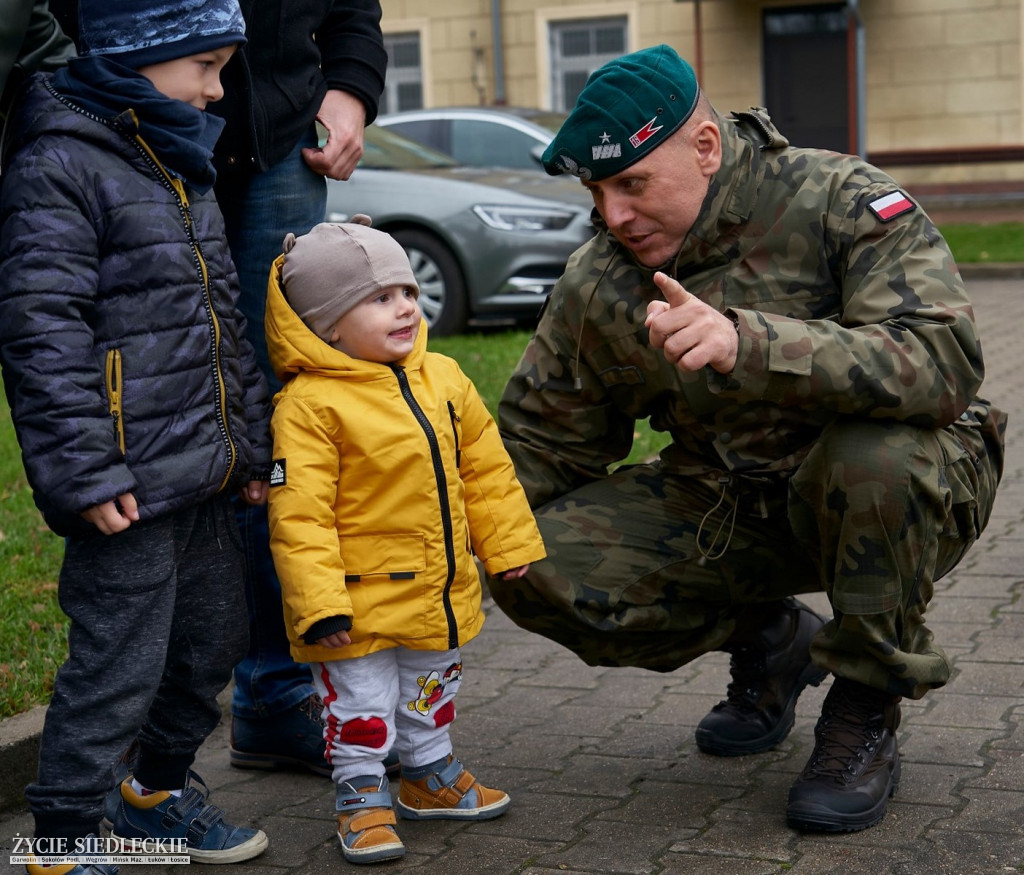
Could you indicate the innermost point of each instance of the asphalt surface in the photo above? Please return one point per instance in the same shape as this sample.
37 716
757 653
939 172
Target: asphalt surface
602 766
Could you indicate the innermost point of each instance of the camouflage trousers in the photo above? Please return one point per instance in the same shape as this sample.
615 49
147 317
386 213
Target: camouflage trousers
651 568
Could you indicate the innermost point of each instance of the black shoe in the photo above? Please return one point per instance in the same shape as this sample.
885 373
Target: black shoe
770 667
855 765
289 740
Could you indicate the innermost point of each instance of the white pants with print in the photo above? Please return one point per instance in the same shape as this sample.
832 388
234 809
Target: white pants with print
397 698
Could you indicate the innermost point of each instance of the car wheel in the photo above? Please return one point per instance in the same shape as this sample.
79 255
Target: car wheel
442 289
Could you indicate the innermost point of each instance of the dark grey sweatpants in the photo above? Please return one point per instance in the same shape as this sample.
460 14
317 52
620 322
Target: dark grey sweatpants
157 623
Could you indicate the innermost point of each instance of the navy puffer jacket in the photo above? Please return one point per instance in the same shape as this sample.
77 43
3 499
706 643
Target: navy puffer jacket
121 343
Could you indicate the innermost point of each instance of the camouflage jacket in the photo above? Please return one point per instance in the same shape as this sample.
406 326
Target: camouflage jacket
839 312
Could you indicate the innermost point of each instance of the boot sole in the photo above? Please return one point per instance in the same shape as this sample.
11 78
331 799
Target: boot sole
708 743
268 762
818 818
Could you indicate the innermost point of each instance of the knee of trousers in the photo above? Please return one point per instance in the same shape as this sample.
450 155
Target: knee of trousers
868 467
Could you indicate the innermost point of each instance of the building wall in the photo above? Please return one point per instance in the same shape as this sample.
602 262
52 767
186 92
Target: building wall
938 73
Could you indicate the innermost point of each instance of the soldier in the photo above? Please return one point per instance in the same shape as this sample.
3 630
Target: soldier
796 325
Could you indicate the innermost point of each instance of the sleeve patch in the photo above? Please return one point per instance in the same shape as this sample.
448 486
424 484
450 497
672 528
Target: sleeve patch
278 476
890 206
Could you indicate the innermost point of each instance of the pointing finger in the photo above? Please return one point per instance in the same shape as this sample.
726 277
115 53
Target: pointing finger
672 291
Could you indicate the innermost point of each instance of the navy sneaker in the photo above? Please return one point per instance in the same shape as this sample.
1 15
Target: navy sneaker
122 769
289 740
162 815
70 868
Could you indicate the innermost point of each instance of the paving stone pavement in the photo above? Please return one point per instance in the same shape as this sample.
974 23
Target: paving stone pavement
606 778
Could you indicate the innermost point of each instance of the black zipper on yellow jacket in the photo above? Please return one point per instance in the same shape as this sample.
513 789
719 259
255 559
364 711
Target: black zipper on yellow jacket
442 498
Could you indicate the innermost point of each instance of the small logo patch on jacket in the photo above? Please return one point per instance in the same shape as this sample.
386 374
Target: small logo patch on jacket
891 205
278 476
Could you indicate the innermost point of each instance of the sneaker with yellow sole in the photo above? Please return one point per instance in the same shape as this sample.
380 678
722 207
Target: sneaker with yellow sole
449 792
366 821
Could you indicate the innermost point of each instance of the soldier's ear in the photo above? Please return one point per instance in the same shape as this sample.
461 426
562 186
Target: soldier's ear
707 140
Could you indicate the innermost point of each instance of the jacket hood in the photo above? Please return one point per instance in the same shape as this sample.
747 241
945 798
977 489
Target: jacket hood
293 347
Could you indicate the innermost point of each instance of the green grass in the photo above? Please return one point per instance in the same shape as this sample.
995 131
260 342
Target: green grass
489 357
971 244
32 627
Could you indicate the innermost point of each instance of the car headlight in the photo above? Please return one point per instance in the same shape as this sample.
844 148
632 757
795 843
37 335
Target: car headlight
506 218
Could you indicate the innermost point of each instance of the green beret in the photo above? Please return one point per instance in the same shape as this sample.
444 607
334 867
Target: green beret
627 108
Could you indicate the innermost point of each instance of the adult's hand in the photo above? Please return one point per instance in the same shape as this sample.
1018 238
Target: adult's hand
344 117
690 333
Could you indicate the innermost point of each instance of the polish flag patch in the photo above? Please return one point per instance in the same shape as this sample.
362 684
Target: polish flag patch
890 206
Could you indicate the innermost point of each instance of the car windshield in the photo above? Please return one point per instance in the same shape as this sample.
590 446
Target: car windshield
386 150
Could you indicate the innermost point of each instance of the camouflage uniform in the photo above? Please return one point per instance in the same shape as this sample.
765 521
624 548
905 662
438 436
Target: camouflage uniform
847 451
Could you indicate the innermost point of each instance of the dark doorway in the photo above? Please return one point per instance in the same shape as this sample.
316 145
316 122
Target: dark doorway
806 74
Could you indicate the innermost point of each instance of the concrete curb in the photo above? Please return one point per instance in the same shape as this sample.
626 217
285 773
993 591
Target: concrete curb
991 270
19 751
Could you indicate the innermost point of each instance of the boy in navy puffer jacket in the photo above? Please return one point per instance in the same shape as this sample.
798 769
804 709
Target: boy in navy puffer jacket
139 409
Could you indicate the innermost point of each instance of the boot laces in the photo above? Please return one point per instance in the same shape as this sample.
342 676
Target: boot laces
847 735
747 677
313 708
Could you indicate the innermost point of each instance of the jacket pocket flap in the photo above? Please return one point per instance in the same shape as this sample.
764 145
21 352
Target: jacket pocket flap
383 554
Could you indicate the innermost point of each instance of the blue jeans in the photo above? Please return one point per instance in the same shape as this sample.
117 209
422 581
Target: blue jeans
259 209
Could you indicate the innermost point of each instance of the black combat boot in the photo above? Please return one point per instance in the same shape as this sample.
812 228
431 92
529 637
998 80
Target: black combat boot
855 765
770 666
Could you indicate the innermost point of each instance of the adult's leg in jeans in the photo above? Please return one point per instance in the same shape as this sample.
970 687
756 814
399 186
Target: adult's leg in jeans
259 210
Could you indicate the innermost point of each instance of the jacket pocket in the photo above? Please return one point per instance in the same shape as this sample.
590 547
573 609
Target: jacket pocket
396 556
113 377
456 426
391 599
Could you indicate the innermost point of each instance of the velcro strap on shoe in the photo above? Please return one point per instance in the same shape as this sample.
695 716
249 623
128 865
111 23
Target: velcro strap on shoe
369 819
369 799
179 811
464 783
450 773
204 821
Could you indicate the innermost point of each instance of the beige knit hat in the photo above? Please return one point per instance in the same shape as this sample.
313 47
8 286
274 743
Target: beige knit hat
335 266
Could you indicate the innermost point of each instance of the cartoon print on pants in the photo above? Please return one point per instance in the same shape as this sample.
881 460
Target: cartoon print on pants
432 687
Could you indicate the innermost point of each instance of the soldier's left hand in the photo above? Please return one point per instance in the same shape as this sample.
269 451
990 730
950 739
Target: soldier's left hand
690 333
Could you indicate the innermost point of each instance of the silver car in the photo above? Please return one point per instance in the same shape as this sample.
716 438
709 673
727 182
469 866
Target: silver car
485 245
511 136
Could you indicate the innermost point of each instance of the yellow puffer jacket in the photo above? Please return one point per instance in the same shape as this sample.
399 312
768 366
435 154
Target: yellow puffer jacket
390 478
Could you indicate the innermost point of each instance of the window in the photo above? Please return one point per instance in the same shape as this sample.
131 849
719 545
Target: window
403 85
577 49
485 144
